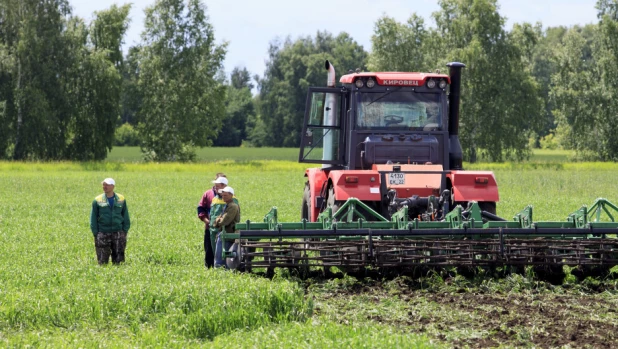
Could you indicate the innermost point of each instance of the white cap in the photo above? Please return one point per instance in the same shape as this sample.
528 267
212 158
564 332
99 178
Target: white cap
220 180
227 190
109 181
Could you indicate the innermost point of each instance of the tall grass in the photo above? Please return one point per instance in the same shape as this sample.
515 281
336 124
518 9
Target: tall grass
52 293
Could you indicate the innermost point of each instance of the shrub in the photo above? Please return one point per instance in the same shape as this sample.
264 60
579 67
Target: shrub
126 135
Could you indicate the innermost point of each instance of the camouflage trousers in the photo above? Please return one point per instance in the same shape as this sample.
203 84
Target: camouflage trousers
110 244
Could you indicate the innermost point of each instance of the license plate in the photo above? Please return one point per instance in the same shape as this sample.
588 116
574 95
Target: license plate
396 178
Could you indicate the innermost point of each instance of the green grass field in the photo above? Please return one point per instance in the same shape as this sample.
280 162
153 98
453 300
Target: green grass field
52 293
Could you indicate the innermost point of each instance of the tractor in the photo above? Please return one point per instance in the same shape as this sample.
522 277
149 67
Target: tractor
389 140
391 192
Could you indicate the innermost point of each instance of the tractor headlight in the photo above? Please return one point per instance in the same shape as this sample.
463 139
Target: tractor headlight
371 83
431 83
359 83
442 84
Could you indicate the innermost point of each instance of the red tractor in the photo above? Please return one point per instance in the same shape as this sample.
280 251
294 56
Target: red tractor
389 139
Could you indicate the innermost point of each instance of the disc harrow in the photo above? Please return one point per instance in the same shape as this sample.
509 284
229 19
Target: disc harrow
357 237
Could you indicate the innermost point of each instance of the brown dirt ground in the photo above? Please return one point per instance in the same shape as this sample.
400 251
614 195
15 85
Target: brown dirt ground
543 320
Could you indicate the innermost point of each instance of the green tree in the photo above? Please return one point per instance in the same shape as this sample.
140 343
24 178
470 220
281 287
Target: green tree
500 103
292 67
59 80
575 92
96 83
131 98
239 107
37 109
402 47
182 104
543 66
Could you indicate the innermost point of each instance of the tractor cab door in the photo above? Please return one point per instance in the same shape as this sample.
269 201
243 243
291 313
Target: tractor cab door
322 137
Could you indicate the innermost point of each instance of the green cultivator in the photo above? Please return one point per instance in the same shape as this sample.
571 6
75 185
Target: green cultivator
356 237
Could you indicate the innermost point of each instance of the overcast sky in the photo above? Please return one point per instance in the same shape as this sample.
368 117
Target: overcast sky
250 25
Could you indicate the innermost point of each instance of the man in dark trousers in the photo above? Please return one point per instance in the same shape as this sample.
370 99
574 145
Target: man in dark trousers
110 223
204 214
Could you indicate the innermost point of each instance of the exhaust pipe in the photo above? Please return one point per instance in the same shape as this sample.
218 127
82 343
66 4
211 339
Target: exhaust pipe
330 80
455 152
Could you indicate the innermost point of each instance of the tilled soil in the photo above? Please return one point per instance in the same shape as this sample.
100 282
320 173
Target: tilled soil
482 320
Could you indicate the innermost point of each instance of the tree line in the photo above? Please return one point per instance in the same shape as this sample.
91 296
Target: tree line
67 90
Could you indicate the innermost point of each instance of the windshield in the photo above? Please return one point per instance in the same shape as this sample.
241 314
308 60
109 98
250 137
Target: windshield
399 109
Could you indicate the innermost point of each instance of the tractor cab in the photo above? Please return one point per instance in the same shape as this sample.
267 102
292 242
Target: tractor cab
377 118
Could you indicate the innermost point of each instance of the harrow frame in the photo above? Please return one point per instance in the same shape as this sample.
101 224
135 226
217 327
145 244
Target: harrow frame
356 237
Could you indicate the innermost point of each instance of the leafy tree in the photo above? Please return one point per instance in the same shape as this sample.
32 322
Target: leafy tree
58 81
607 8
543 65
500 103
96 83
292 67
182 104
241 78
402 47
131 98
37 109
126 135
239 107
575 92
585 87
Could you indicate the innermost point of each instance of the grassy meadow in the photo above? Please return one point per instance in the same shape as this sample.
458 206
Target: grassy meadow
53 294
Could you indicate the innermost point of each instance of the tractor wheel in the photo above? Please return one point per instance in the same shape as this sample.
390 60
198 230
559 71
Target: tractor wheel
488 206
306 207
331 202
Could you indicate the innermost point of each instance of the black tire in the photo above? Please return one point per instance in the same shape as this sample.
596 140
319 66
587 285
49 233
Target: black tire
306 207
331 202
488 206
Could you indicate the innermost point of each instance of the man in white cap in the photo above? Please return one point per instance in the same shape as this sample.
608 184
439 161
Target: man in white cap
204 209
216 209
110 223
226 223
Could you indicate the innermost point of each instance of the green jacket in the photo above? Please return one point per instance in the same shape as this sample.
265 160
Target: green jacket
227 221
107 219
216 209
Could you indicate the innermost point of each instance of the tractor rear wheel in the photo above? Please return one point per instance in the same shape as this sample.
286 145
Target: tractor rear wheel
488 206
306 207
331 202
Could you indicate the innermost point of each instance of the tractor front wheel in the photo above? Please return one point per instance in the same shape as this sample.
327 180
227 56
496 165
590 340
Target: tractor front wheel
305 210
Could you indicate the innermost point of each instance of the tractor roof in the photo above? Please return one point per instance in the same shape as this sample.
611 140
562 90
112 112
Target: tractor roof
395 78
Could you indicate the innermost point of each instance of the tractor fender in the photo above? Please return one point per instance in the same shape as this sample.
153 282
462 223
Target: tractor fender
474 186
316 178
361 184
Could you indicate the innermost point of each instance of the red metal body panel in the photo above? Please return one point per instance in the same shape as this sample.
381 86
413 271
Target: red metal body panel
367 188
474 186
421 184
395 78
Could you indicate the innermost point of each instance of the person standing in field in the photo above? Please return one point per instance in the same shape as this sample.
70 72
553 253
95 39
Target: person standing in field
226 222
110 223
203 213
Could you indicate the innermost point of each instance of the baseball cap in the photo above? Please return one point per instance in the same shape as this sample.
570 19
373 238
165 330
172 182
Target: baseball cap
227 190
109 181
220 180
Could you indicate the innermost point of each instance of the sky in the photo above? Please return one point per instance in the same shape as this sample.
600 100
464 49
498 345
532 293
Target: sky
249 26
